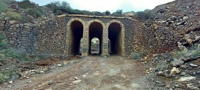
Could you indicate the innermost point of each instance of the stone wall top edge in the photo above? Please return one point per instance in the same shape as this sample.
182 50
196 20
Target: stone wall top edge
92 16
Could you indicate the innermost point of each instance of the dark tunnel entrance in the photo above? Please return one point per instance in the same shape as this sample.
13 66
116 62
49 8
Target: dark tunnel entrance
95 31
77 34
95 46
115 39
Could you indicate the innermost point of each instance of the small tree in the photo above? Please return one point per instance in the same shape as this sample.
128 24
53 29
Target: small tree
3 43
118 13
107 13
26 4
34 12
98 13
59 8
144 15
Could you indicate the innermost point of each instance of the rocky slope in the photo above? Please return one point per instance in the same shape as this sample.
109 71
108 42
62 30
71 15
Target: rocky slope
174 21
177 70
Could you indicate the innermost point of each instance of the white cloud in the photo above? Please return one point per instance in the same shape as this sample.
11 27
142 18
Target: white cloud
96 5
113 5
148 4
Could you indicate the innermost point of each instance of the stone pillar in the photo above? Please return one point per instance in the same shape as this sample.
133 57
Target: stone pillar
122 42
104 48
85 48
68 35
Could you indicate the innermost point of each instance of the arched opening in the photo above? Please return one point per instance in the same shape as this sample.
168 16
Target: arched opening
95 46
95 30
75 37
114 34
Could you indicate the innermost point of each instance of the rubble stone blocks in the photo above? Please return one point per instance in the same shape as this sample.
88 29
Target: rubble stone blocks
53 37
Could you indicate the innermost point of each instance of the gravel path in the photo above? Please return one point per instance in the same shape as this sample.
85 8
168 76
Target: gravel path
91 73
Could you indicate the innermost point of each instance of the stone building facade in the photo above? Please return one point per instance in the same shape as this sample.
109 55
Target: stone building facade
61 35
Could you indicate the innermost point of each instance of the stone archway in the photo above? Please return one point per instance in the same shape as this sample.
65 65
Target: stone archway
96 30
116 36
75 28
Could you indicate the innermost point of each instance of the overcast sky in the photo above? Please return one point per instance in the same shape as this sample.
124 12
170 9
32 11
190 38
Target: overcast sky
111 5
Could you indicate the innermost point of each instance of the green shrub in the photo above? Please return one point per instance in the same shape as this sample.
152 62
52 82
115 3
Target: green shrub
3 59
195 52
181 53
7 51
6 75
107 12
3 7
58 12
24 57
58 7
2 17
27 18
14 15
2 79
11 53
27 4
118 13
21 56
31 8
8 2
144 15
98 14
76 11
3 43
34 12
162 65
137 55
12 70
85 12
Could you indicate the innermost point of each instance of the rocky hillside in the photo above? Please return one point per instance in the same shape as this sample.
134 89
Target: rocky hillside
182 15
173 22
178 23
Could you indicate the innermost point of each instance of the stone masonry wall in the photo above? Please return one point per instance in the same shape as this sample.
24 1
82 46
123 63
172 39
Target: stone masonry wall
50 39
46 38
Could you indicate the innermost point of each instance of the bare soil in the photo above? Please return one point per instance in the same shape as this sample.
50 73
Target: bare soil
90 73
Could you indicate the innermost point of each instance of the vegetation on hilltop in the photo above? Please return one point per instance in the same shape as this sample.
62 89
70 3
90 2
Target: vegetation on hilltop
28 10
144 15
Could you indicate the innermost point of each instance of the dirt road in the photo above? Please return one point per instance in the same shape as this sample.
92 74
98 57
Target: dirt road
90 73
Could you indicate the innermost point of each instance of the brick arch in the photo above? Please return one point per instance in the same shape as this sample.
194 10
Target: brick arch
96 20
100 32
122 34
116 21
69 34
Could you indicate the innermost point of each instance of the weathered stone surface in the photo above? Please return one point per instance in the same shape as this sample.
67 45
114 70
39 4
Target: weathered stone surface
182 79
174 71
177 62
192 87
12 22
